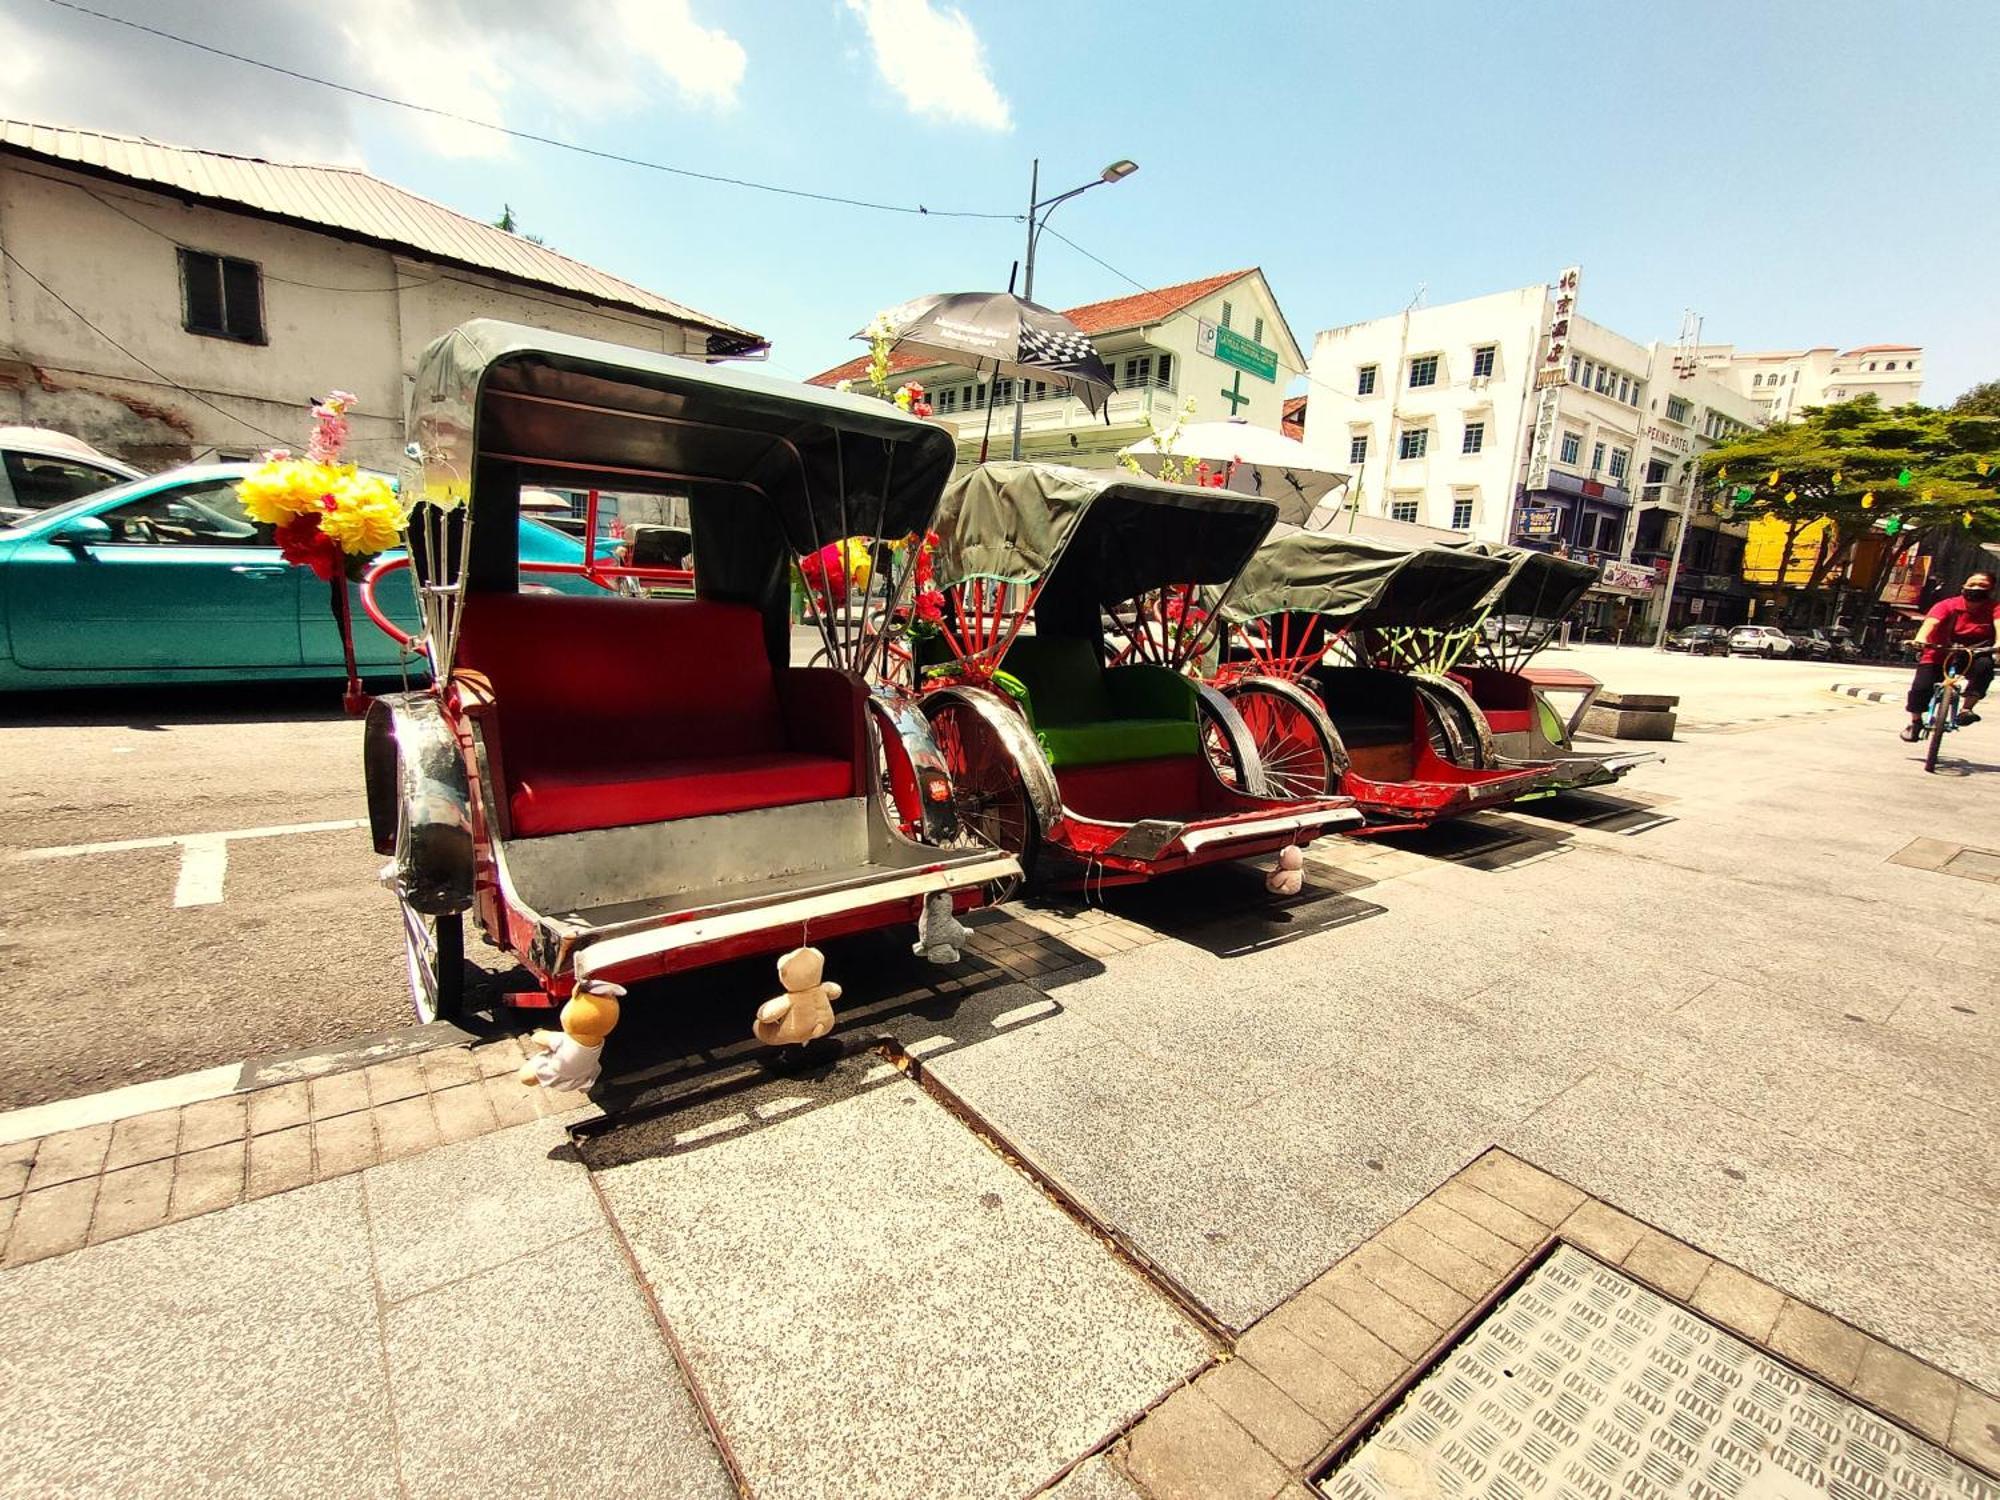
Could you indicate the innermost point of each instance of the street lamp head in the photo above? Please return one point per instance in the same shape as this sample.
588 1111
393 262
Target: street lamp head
1119 169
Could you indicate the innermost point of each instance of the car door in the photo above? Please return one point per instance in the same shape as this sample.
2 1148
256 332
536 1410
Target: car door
185 581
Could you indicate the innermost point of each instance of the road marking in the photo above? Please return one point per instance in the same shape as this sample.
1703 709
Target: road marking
204 856
204 861
118 1104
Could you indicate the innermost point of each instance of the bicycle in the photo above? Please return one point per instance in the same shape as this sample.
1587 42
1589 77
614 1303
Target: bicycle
1941 717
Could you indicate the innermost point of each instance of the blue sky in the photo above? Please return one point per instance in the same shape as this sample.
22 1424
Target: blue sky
1800 173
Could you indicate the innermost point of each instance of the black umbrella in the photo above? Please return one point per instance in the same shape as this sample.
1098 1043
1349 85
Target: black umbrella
1004 334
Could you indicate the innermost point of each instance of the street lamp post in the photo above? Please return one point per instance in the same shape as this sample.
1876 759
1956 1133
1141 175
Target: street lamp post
1118 171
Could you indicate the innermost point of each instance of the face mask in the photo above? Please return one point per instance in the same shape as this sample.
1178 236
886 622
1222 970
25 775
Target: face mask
1978 596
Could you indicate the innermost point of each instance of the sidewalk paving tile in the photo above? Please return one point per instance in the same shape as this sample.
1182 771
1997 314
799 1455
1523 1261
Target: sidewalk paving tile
280 1108
1409 1283
143 1138
237 1353
1191 1449
207 1180
1674 1268
448 1214
1403 1329
1975 1428
69 1155
1602 1231
1821 1345
338 1094
512 1102
16 1160
280 1162
1546 1199
462 1112
1096 1478
398 1078
51 1221
584 1399
131 1199
1321 1388
1738 1302
345 1143
405 1126
1280 1425
446 1067
873 1258
212 1122
1907 1390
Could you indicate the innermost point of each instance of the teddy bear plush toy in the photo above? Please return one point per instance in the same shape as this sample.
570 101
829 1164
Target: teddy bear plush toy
570 1058
804 1013
1288 876
940 935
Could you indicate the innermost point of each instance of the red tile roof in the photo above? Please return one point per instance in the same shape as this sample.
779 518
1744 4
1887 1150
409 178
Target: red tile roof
1292 422
1091 317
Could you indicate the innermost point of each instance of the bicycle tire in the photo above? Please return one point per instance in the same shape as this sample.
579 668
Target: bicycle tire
1941 713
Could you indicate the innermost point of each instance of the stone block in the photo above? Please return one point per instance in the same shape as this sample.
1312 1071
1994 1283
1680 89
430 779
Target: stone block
16 1161
1469 1278
338 1094
405 1126
131 1199
1603 1231
1548 1200
280 1108
208 1180
68 1156
1628 724
1816 1343
1410 1284
280 1161
345 1143
1308 1378
1284 1428
1190 1449
462 1112
1975 1429
1674 1268
1491 1213
212 1122
51 1221
1643 702
143 1138
398 1078
1738 1302
1907 1389
1482 1244
1335 1335
447 1067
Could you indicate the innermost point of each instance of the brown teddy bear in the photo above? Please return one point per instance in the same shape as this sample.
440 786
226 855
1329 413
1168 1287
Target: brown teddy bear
804 1013
570 1058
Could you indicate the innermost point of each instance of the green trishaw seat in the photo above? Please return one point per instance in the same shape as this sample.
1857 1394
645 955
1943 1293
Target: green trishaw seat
1086 715
1118 739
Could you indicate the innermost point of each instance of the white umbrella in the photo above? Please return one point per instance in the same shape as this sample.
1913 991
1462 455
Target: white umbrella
1266 463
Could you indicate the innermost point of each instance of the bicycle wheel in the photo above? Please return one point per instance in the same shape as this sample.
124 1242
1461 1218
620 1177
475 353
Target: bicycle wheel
1942 707
1297 762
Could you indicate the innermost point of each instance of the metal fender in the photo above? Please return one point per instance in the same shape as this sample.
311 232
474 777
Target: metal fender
1005 720
1217 706
897 716
419 807
1453 695
1308 703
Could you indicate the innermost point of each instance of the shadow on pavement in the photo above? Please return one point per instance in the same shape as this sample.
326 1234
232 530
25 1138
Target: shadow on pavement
1483 842
157 707
1225 910
1599 811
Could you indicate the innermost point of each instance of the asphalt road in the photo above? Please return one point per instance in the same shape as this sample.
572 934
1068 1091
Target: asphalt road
133 963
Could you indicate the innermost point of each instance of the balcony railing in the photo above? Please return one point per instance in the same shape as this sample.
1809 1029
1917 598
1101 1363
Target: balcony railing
1057 412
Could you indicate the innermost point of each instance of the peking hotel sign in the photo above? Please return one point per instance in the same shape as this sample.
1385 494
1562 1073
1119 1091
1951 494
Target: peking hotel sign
1551 375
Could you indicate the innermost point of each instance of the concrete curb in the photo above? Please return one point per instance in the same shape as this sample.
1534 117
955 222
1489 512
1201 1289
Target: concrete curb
1867 694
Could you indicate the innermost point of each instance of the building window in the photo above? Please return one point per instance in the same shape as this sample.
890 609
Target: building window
221 298
1163 371
1415 442
1461 515
1228 312
1756 380
1482 361
1625 390
1596 457
1656 471
1403 510
1357 448
1257 333
1475 437
1423 371
1572 448
1575 360
1138 373
1364 382
1678 409
1619 459
1604 380
947 400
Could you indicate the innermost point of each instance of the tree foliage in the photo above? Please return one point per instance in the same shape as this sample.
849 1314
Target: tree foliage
1907 473
1983 400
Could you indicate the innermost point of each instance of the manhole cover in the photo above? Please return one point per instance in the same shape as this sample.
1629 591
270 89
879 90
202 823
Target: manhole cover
1584 1384
1975 864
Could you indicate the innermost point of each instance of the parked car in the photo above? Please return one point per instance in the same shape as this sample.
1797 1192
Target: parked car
1700 640
1815 644
41 468
166 579
1759 640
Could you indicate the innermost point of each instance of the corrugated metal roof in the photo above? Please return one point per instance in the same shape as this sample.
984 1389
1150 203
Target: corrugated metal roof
346 201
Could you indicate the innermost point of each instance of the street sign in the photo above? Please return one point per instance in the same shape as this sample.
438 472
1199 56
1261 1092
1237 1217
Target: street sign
1246 355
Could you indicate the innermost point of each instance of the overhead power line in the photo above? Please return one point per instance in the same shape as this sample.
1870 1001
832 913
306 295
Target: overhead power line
915 209
159 375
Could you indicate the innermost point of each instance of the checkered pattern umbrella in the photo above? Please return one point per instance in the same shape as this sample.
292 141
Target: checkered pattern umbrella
1003 334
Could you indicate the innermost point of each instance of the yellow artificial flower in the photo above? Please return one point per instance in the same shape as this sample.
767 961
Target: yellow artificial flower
366 517
1868 501
276 491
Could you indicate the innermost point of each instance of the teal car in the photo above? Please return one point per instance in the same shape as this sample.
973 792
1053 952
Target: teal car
167 580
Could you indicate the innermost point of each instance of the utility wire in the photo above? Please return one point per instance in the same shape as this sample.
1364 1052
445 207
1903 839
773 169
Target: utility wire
917 209
165 379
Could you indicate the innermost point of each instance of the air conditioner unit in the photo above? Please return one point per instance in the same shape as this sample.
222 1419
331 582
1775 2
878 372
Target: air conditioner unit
1480 382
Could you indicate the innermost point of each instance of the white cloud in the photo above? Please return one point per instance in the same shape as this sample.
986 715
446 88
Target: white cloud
933 59
515 62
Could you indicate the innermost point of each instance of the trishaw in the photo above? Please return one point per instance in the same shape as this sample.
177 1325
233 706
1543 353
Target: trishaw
1057 679
1333 655
1516 722
620 787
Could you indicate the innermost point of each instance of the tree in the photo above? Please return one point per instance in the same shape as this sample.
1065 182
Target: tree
1905 474
1983 400
512 225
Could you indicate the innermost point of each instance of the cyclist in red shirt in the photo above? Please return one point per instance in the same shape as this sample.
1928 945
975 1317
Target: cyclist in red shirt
1965 619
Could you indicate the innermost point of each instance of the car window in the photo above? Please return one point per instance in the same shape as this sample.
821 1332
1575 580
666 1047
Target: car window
194 515
37 482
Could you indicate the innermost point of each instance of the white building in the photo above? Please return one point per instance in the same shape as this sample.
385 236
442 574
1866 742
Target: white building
1220 343
1784 383
1436 409
166 304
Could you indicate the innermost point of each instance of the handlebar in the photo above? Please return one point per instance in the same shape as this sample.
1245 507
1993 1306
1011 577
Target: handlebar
596 573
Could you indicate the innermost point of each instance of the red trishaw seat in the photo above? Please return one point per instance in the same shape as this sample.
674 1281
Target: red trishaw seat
613 711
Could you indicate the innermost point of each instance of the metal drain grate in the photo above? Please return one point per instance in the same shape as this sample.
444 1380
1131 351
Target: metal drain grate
1583 1385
